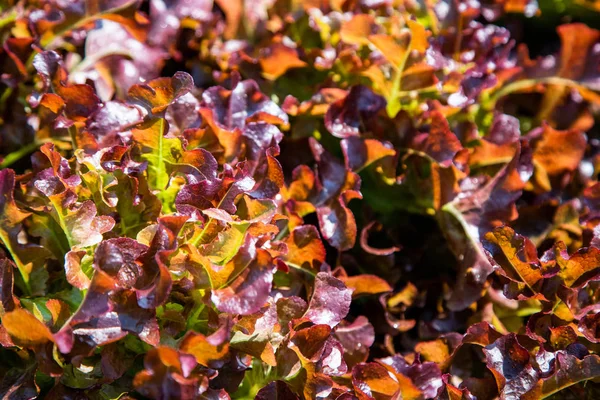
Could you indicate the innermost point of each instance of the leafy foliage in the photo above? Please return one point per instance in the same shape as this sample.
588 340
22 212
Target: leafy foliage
299 199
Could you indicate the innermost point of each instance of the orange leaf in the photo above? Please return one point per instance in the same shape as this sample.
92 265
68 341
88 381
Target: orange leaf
559 151
206 354
279 60
366 284
584 262
358 29
520 254
25 329
419 40
390 49
305 248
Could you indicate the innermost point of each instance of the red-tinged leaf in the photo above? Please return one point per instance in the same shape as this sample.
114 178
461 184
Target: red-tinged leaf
438 351
158 150
330 301
338 186
302 185
157 292
359 154
582 265
290 308
107 123
373 381
116 59
440 143
19 50
451 392
26 330
115 361
60 312
82 14
257 345
118 259
19 384
233 187
82 338
11 219
84 228
96 301
337 225
57 169
488 154
356 338
482 209
269 177
332 361
206 353
364 241
556 152
141 215
168 374
276 390
252 211
243 104
73 269
194 198
80 100
154 285
7 299
156 95
305 248
517 256
590 328
417 380
349 116
260 138
505 129
577 40
511 366
249 290
481 334
568 371
562 336
311 341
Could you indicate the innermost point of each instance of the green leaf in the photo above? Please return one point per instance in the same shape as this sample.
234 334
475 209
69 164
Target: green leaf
158 151
226 244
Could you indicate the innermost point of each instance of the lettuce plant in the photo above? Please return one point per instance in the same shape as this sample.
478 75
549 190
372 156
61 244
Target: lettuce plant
281 199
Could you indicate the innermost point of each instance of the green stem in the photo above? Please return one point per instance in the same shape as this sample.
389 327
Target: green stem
432 17
459 34
22 152
298 267
283 233
418 153
200 236
517 86
73 134
161 183
394 99
20 266
61 220
198 308
5 97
